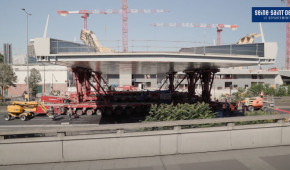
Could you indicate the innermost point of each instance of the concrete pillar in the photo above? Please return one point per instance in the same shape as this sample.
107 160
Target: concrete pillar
125 71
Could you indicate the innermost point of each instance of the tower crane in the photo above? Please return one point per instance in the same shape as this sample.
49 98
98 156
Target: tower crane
219 27
86 13
124 11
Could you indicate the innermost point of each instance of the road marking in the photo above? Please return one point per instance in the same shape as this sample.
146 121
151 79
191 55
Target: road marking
280 110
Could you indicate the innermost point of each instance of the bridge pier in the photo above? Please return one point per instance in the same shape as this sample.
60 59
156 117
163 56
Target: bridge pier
171 81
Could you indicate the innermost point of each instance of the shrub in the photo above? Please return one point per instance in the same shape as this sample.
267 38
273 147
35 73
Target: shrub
171 112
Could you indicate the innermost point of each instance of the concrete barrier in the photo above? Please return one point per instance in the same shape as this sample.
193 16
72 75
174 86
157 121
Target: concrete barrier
30 152
139 144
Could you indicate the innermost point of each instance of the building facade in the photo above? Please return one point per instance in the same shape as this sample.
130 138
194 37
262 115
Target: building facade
53 77
7 53
226 81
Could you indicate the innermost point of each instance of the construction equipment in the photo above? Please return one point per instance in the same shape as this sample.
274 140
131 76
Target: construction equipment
89 38
248 38
219 27
22 110
254 103
26 110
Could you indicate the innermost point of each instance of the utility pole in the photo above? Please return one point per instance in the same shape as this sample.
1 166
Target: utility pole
27 14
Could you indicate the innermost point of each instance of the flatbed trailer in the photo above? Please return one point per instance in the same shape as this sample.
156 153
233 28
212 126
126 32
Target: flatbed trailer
100 108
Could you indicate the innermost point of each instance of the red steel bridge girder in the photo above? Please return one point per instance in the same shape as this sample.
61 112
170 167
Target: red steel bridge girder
82 78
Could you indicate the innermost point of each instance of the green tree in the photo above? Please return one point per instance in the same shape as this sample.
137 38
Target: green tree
281 91
34 79
255 90
268 90
240 94
288 90
7 77
1 58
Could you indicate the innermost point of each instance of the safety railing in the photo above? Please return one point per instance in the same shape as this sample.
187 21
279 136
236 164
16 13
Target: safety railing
63 130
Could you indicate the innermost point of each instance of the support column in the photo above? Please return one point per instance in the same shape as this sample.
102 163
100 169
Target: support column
79 81
87 75
192 78
171 81
98 81
207 78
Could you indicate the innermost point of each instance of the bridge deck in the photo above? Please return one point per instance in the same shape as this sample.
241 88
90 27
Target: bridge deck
208 57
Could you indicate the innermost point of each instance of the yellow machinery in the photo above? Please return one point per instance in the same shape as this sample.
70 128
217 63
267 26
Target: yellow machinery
22 110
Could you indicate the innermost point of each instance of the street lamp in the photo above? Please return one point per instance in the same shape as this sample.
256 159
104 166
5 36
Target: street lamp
43 78
27 14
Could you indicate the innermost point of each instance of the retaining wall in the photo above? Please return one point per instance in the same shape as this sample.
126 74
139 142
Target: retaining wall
139 144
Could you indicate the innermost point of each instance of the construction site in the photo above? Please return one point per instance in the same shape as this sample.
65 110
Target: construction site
194 67
94 101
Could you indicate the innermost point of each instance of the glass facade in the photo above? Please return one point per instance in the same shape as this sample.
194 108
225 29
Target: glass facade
60 46
255 49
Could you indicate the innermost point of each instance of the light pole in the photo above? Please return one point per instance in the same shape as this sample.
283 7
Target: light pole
52 76
44 78
27 14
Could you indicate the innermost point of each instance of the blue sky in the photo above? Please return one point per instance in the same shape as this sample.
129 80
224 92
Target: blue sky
109 27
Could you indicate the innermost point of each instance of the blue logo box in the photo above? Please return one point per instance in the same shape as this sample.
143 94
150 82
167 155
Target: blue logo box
270 14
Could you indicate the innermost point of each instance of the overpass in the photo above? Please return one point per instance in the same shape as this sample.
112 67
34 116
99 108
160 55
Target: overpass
160 62
198 63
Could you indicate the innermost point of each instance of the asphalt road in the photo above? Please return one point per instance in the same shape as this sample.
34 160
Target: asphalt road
84 119
94 119
271 158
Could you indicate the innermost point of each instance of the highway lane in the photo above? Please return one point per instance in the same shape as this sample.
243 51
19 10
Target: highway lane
94 119
63 119
43 119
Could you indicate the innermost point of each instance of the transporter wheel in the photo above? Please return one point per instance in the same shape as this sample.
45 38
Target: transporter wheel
251 108
8 117
79 112
63 110
99 112
264 108
23 117
32 115
90 112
